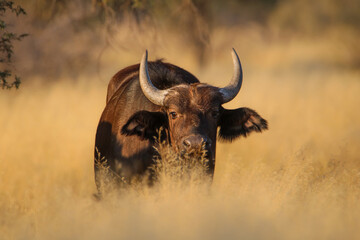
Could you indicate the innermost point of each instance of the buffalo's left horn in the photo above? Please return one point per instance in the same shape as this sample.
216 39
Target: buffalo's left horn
230 91
155 95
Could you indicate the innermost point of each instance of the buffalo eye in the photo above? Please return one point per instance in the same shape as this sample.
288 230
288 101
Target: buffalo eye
173 115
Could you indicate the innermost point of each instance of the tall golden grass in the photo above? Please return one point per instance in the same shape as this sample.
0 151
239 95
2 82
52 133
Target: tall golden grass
298 180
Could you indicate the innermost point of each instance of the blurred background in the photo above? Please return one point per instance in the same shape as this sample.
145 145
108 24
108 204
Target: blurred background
99 37
298 180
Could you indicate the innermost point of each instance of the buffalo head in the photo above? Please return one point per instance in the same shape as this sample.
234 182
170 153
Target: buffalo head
192 113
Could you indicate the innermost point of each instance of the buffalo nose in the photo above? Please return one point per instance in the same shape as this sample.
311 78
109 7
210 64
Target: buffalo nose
196 142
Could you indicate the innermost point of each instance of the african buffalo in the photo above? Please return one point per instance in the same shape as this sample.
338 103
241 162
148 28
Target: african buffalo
145 97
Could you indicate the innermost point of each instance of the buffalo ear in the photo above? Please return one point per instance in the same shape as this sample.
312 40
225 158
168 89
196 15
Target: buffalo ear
145 124
240 122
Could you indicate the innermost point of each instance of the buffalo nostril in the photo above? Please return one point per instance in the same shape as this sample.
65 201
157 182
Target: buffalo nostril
186 143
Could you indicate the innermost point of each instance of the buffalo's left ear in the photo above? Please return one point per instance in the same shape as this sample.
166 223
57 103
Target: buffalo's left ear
240 122
145 124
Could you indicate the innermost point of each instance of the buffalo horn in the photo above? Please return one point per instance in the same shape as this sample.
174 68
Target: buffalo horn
155 95
230 91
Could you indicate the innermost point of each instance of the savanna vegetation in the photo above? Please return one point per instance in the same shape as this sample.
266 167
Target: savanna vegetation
6 44
298 180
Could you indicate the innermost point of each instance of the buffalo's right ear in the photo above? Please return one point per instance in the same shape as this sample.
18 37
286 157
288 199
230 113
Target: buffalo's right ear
240 122
145 124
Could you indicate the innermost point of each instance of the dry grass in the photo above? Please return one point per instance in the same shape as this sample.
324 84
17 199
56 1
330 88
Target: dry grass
299 180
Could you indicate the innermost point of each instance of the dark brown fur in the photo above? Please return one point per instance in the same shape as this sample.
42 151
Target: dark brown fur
191 114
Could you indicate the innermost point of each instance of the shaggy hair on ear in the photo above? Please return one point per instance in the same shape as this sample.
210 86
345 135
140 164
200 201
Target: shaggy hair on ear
240 122
145 124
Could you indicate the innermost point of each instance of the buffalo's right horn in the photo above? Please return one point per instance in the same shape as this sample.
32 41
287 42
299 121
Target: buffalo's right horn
155 95
230 91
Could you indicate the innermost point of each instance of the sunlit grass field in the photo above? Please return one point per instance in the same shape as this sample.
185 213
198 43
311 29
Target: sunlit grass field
298 180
